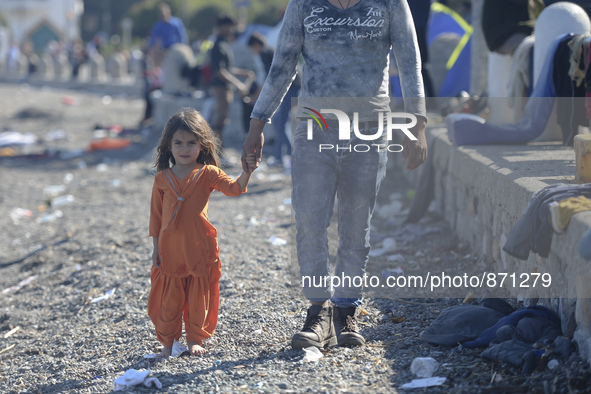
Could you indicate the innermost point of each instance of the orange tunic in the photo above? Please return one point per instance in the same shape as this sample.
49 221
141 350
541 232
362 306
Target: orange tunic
186 285
187 241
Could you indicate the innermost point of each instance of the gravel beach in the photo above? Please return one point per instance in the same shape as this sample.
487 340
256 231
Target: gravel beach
96 242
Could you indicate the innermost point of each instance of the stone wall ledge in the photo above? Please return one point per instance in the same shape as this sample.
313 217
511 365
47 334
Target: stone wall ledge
483 190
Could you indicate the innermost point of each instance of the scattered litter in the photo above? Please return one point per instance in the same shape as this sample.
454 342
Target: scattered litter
50 217
276 241
69 100
258 331
253 221
177 350
239 217
312 354
102 167
389 244
287 201
426 382
62 200
397 258
68 178
260 384
8 348
552 364
105 296
13 138
377 252
14 330
106 100
109 144
53 191
56 135
424 367
21 284
392 272
6 152
78 267
389 210
132 377
116 182
16 214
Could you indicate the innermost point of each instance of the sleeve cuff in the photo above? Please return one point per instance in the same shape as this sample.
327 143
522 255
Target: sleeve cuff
260 117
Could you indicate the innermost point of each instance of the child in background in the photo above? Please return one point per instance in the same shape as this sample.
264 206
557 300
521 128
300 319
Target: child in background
185 264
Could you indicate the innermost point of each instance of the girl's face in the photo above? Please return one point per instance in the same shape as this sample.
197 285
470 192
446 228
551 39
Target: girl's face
185 148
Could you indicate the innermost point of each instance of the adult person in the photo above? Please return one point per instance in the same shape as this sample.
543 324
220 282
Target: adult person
166 32
504 24
420 10
345 46
224 79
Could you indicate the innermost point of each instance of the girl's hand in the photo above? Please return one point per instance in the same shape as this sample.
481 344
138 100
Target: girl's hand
251 161
156 259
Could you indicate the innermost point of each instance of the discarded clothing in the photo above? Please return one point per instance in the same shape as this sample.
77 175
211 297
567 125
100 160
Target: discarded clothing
533 231
461 323
131 378
13 138
467 129
562 211
513 319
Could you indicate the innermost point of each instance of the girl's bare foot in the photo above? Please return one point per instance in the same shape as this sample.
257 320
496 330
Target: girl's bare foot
166 352
196 349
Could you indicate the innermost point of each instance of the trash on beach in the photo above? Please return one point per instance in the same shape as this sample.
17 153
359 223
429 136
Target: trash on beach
412 232
102 167
312 354
53 190
287 201
388 245
56 135
50 217
276 241
106 100
11 332
552 364
68 178
105 296
132 377
253 221
62 200
424 367
21 284
14 138
426 382
69 100
177 350
389 210
109 144
116 182
17 214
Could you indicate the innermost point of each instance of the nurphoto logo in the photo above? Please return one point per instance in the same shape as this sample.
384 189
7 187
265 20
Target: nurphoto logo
386 122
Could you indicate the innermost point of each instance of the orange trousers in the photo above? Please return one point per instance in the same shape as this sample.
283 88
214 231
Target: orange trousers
192 299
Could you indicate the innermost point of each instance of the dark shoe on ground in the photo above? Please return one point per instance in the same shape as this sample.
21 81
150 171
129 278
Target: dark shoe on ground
345 323
318 329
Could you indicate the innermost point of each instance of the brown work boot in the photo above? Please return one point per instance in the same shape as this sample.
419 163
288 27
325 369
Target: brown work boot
345 324
318 329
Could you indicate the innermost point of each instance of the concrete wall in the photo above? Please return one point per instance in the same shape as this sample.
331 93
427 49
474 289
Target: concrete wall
483 190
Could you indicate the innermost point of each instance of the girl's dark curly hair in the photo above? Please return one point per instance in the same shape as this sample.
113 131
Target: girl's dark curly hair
191 121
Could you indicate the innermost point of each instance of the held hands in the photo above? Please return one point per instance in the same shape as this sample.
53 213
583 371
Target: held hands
253 145
415 152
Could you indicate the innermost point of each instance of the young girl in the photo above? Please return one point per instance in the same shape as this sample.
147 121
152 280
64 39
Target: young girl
185 264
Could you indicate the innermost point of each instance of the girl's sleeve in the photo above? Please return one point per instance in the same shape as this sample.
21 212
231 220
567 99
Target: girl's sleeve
221 182
156 211
283 69
408 58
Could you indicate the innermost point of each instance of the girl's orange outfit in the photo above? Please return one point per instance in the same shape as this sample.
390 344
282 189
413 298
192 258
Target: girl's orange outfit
185 287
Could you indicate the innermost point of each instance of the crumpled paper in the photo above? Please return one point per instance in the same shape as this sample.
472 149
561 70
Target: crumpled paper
132 377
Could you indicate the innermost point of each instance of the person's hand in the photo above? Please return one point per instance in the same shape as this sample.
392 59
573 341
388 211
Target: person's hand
251 161
415 152
253 145
156 259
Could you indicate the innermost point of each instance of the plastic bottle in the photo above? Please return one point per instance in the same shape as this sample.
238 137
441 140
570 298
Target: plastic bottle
423 367
62 200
